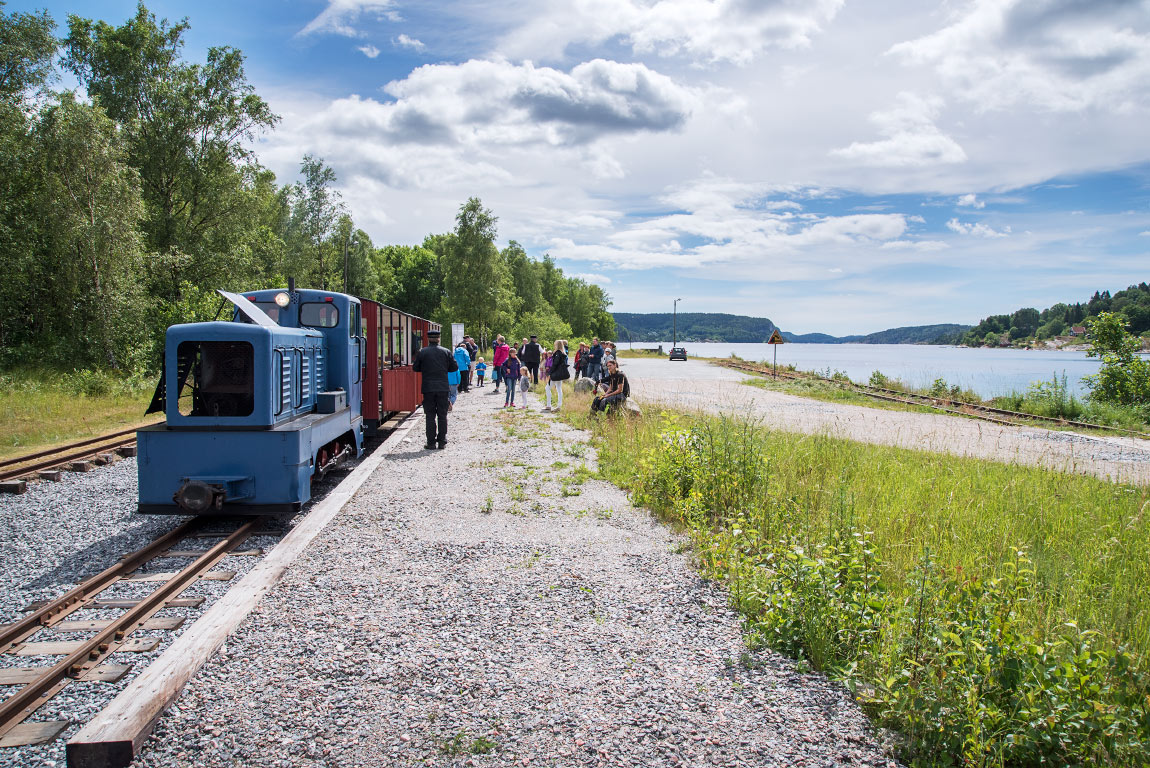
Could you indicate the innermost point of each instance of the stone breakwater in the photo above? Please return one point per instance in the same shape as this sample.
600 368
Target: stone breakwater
492 604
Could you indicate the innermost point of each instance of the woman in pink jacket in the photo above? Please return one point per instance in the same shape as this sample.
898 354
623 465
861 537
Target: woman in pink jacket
498 359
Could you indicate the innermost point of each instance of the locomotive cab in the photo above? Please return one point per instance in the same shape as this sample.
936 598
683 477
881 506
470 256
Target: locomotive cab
254 407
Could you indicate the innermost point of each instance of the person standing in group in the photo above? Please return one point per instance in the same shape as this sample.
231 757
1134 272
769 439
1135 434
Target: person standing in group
510 372
498 358
608 354
557 373
434 363
594 358
452 389
578 362
524 385
531 356
463 360
480 370
472 353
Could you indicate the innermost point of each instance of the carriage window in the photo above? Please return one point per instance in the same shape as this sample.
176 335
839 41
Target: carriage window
317 315
220 378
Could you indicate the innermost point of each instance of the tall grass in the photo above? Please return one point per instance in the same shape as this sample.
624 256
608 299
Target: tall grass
42 408
994 614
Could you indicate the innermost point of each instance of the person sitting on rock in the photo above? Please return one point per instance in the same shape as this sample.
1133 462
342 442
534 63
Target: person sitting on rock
616 390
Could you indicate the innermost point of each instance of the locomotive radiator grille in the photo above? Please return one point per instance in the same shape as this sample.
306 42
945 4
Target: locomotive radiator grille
285 381
305 379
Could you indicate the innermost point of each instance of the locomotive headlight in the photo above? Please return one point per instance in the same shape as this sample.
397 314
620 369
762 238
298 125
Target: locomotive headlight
282 299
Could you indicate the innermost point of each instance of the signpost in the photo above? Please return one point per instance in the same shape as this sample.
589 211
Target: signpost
775 340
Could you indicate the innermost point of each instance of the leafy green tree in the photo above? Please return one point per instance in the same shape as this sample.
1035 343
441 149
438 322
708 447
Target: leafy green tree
543 322
1124 377
186 127
472 269
316 209
93 204
27 45
524 274
417 282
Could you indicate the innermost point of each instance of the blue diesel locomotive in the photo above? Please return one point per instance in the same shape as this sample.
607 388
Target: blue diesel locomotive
255 407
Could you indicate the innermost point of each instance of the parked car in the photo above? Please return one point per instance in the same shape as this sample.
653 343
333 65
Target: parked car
678 353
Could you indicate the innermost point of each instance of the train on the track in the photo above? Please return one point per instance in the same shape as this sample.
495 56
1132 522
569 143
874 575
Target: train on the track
258 407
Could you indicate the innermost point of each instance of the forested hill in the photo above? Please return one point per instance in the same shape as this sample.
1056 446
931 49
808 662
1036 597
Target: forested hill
911 334
692 326
740 329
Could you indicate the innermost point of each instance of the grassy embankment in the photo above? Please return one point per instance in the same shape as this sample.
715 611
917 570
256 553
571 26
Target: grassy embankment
994 613
41 409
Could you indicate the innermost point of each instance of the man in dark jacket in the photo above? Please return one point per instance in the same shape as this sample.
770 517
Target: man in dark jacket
531 356
434 362
594 361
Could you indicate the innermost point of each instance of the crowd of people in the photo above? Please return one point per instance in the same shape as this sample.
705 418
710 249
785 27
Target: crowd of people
447 373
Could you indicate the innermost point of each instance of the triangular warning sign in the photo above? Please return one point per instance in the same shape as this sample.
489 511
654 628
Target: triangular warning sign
776 338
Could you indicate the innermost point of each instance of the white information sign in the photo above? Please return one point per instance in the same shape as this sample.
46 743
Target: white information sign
456 334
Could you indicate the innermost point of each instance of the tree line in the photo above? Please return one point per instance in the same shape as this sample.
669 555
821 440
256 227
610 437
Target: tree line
123 206
1130 306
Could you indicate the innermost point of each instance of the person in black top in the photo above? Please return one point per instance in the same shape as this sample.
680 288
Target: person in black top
616 384
434 363
530 356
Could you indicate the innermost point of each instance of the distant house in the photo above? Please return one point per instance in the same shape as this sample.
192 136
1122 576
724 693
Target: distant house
1078 330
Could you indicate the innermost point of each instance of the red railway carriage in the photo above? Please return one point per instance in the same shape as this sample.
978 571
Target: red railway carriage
393 338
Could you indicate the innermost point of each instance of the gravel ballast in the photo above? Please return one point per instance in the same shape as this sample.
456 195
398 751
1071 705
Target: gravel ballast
470 607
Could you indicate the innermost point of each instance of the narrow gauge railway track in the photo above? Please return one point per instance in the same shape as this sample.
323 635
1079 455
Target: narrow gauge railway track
972 410
50 459
83 660
25 690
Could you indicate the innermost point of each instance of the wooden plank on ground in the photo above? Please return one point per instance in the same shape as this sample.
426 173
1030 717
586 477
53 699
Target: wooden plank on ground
27 734
166 575
114 736
81 466
166 623
127 451
64 647
108 673
50 474
200 552
13 486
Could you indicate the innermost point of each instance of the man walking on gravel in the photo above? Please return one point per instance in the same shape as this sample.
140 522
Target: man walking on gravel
435 362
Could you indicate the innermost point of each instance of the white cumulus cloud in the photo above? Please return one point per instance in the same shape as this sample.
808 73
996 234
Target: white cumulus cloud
977 230
703 30
912 138
341 16
1060 55
409 42
971 201
370 51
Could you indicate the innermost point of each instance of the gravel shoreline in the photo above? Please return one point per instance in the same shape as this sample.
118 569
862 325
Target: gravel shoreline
469 607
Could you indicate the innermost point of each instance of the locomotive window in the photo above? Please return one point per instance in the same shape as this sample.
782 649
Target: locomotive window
353 326
317 315
270 308
221 378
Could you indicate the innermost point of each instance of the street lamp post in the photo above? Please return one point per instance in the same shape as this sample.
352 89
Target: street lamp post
675 325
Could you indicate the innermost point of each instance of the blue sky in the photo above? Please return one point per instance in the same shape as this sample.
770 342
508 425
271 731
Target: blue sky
836 165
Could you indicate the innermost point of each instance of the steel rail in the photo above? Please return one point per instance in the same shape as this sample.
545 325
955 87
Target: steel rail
55 610
67 447
20 705
58 460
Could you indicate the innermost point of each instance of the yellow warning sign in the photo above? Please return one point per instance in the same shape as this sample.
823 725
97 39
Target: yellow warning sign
776 338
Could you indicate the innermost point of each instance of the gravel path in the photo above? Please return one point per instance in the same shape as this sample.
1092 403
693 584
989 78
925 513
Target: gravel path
490 604
699 385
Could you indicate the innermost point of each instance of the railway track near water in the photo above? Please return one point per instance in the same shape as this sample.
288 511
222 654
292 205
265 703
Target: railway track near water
944 405
72 658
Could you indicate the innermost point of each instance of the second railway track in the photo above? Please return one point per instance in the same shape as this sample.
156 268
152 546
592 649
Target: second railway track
972 410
